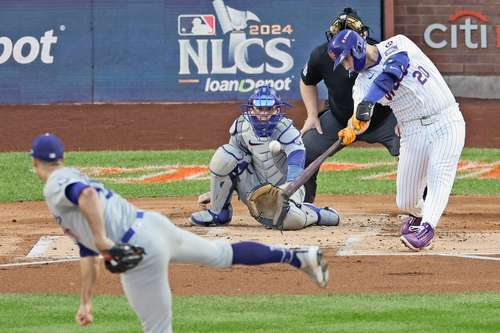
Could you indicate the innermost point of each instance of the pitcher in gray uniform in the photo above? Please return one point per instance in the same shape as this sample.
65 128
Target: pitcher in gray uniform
264 148
99 220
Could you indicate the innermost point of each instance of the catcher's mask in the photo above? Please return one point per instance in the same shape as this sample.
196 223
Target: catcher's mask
348 19
264 110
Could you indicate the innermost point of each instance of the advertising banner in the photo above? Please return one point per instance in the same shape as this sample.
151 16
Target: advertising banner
89 51
226 48
45 51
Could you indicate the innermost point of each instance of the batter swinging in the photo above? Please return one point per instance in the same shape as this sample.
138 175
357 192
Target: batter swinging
397 73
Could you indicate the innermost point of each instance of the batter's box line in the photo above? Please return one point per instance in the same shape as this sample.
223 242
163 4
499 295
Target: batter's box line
39 262
477 256
346 249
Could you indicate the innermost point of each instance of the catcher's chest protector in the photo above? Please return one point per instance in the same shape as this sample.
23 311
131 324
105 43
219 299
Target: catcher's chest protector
268 167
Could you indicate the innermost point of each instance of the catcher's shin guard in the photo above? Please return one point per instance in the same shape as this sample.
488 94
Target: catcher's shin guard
299 217
207 217
226 165
325 216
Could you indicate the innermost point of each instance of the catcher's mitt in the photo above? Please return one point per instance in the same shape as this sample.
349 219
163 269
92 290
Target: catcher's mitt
122 257
269 205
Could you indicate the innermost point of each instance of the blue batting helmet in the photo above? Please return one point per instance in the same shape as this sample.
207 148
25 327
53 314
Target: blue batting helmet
348 42
264 110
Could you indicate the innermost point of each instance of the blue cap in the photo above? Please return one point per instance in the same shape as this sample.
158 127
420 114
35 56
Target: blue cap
47 147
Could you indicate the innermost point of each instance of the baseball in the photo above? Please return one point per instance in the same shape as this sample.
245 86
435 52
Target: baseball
274 147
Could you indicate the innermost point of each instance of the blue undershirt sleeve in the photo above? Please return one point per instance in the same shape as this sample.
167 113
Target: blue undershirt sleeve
73 191
296 161
393 71
375 93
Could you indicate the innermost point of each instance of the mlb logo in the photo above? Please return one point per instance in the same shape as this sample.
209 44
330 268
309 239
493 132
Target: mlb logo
196 25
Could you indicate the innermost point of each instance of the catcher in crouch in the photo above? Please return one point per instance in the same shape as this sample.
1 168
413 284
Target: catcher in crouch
264 152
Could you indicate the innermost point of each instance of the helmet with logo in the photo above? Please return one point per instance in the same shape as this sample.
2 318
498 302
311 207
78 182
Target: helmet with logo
348 42
348 19
264 110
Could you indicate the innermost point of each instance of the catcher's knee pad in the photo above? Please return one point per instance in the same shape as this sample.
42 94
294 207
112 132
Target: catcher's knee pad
298 217
226 160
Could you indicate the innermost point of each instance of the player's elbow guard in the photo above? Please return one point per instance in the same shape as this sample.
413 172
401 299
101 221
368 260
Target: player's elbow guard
364 111
393 71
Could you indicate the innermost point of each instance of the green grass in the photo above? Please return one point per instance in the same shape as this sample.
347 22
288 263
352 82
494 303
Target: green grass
18 182
475 312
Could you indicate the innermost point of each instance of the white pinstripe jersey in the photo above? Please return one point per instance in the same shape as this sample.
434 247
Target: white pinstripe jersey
422 91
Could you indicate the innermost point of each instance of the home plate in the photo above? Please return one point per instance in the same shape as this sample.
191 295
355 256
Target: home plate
54 247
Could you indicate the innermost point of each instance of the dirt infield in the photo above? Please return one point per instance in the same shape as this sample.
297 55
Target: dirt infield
364 252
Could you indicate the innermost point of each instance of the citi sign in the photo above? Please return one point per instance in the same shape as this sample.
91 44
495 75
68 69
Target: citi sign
234 23
475 35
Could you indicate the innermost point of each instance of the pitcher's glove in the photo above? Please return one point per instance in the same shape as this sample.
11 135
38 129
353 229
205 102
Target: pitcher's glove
122 257
269 205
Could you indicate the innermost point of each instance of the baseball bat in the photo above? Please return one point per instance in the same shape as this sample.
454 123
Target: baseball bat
311 169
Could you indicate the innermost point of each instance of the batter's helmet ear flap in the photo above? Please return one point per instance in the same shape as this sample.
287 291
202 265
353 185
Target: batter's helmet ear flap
348 19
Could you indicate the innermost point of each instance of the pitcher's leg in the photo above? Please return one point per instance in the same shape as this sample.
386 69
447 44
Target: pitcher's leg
148 293
191 248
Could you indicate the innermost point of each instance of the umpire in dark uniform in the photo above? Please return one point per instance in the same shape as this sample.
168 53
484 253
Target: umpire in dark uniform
320 128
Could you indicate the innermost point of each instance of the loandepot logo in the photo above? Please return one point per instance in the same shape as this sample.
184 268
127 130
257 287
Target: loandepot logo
202 53
475 34
27 49
150 174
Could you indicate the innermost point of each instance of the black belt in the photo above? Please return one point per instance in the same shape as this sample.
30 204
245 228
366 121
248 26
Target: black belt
130 232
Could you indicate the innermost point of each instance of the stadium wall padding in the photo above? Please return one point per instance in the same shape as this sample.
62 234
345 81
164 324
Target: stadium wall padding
86 51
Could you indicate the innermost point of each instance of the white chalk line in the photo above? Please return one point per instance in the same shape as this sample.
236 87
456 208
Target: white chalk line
346 249
479 256
41 246
366 254
38 262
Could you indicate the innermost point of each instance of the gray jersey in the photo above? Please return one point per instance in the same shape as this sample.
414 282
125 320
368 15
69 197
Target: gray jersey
269 167
119 214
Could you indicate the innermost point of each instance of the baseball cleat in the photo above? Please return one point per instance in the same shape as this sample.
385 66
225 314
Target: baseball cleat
313 264
206 217
410 224
326 216
420 239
